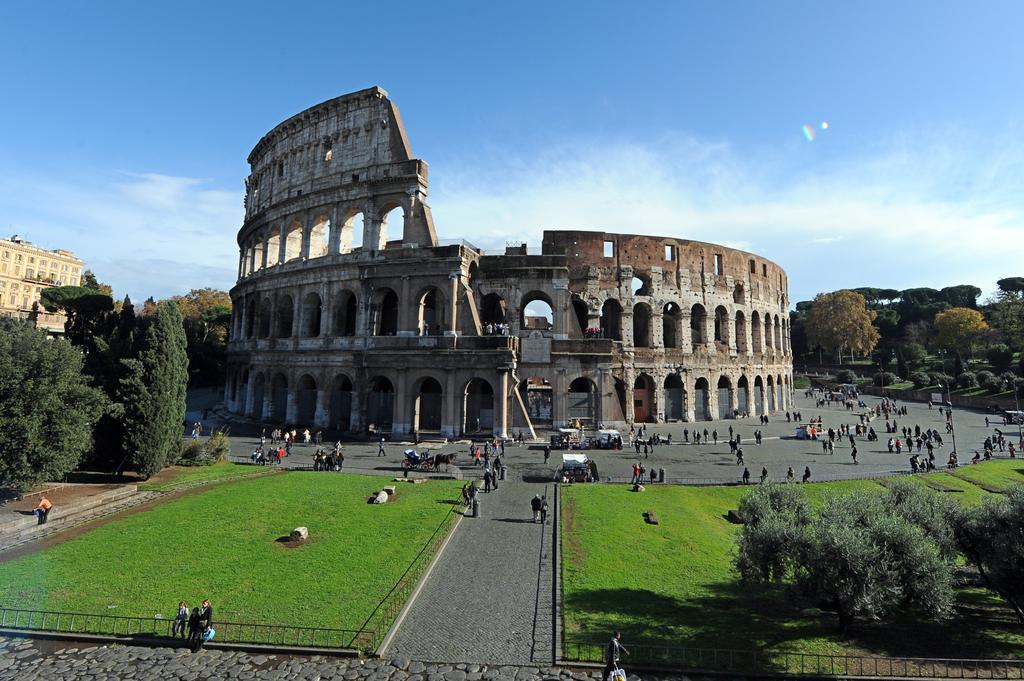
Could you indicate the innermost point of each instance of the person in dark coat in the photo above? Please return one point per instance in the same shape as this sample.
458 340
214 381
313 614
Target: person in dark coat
194 630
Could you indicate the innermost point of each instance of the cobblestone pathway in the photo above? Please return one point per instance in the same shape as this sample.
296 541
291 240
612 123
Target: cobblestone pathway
28 660
489 597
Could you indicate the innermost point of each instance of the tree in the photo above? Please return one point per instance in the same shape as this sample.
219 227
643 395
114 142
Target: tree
152 392
47 408
86 309
920 303
863 555
89 281
1006 311
1000 356
963 295
207 319
989 537
958 329
841 321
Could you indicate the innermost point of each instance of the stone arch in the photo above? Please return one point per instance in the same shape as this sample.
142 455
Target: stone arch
390 213
767 332
320 236
430 312
698 325
311 312
756 339
722 325
640 285
770 389
724 397
293 241
741 331
259 389
581 314
386 322
738 294
428 405
611 319
380 404
759 396
257 252
492 309
643 399
538 397
339 413
743 395
675 398
670 325
343 322
274 246
536 306
250 319
350 234
279 398
305 400
701 400
265 318
284 320
582 404
642 325
777 343
477 407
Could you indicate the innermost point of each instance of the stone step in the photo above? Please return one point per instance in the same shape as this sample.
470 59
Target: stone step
17 525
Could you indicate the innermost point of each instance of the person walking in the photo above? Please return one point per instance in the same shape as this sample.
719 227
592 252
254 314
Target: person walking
613 651
807 474
853 454
380 448
789 474
180 621
487 480
543 510
746 476
547 453
764 474
535 507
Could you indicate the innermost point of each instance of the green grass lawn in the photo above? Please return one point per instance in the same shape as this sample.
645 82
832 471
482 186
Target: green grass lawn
180 476
675 581
221 544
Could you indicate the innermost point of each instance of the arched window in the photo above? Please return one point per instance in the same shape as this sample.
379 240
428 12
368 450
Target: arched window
640 285
737 294
393 218
611 319
387 314
641 325
429 401
724 398
757 340
293 242
429 317
250 319
579 309
285 317
319 236
670 325
698 325
701 401
741 331
351 237
537 312
722 325
344 322
492 309
768 332
274 246
311 312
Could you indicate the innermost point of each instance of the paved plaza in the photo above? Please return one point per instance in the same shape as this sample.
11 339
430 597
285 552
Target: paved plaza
708 462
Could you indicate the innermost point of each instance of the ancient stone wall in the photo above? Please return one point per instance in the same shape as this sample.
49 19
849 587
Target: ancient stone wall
406 336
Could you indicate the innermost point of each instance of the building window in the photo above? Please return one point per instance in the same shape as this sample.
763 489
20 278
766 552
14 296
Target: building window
753 266
30 273
7 255
609 249
719 265
764 270
670 253
42 264
17 257
280 168
32 259
328 152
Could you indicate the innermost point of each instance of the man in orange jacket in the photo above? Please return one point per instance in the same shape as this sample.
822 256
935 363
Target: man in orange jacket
43 510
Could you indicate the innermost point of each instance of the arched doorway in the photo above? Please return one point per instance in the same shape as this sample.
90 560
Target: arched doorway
742 395
758 396
311 311
675 406
380 404
305 399
429 316
279 398
265 320
701 400
492 310
478 407
643 400
698 325
259 388
724 398
582 402
722 325
611 319
340 411
344 322
387 314
537 312
538 397
427 407
285 317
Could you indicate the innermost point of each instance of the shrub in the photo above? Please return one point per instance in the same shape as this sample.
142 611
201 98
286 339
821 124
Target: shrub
884 378
967 379
1000 356
991 383
989 537
920 379
1008 377
846 376
192 454
196 453
218 446
1018 385
939 378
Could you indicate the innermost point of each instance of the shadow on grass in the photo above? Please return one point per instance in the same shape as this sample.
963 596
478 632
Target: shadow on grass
742 618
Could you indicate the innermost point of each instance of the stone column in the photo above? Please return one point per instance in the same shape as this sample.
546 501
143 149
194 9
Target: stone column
658 396
629 379
241 262
292 410
250 389
296 313
712 400
627 328
334 239
322 414
408 310
265 255
307 236
657 329
456 285
282 241
683 334
325 312
268 401
561 308
560 399
749 406
449 425
503 404
373 236
734 397
403 418
689 397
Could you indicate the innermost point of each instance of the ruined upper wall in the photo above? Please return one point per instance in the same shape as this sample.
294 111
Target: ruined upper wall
692 264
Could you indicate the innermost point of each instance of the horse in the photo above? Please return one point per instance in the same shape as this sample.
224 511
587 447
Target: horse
443 459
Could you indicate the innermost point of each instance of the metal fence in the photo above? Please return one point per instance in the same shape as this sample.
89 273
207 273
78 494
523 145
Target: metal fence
387 611
749 662
156 627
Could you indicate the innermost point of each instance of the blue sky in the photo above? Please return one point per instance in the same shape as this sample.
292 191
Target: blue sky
126 126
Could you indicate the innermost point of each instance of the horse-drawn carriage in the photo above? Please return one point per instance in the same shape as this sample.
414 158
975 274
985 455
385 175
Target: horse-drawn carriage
424 461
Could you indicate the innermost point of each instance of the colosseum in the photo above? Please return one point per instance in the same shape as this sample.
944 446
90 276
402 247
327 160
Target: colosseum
350 315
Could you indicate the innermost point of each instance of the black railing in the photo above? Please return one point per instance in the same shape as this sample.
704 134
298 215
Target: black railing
155 627
771 662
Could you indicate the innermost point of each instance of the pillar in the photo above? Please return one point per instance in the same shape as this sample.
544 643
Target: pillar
456 285
559 398
503 405
689 397
373 236
268 400
307 236
334 239
712 400
734 397
449 425
683 334
627 329
629 379
749 406
321 416
292 410
403 419
282 241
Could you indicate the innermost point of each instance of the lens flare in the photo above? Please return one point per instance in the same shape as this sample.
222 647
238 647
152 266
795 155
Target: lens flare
824 125
809 133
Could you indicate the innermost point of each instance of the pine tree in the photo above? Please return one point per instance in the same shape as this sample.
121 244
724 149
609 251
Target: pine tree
152 391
